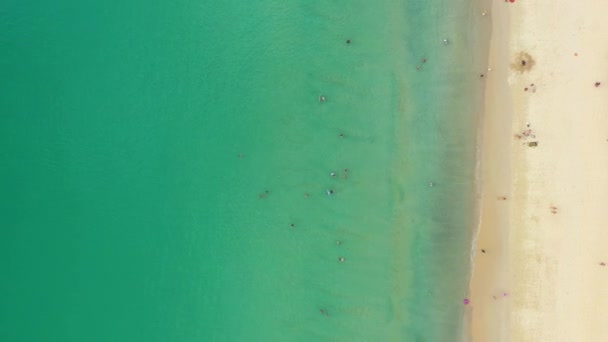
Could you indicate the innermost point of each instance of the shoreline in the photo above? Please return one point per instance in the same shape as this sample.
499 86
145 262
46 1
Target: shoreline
486 283
541 277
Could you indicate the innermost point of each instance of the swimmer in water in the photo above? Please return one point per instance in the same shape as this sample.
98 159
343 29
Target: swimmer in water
329 192
345 175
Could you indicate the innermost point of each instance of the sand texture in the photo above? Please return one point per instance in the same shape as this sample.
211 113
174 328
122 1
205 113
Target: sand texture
544 176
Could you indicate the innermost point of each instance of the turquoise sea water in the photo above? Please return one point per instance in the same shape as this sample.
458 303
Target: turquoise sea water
155 154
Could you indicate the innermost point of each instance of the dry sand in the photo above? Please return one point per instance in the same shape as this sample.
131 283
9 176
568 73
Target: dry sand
541 277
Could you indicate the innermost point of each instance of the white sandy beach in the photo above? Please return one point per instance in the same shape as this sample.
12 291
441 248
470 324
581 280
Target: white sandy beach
541 277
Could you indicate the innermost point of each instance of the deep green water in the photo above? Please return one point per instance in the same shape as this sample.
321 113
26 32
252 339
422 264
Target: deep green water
137 137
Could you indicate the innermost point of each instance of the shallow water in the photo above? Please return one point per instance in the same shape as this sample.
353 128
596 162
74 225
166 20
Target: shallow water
140 140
